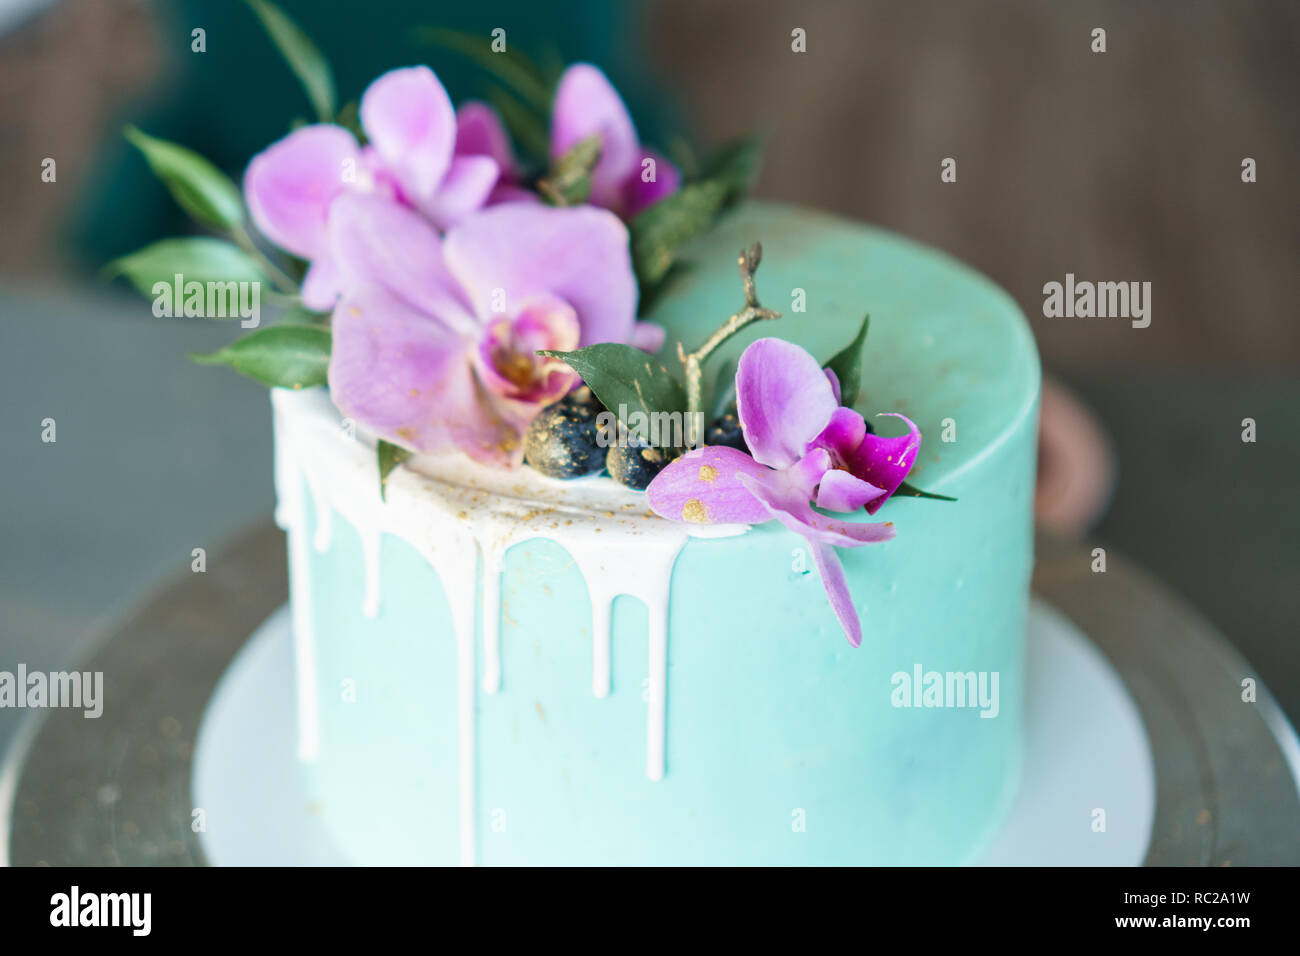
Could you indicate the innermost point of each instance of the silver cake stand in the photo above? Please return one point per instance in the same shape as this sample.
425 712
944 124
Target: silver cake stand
118 790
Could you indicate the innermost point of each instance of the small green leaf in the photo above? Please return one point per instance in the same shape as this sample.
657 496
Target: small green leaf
736 164
510 66
390 456
283 356
569 181
299 314
724 387
847 366
626 380
524 126
658 232
207 194
349 117
196 259
906 489
306 61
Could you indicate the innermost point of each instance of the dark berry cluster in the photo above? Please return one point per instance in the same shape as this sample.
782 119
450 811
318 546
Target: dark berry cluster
568 440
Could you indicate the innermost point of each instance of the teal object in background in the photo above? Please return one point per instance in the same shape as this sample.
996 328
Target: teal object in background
233 100
784 745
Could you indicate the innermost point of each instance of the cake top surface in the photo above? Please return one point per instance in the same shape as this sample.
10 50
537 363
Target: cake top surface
945 341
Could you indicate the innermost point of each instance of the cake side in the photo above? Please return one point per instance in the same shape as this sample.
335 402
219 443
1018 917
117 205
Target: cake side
768 718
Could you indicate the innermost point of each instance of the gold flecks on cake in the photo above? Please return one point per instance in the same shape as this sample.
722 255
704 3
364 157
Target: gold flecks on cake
695 512
708 473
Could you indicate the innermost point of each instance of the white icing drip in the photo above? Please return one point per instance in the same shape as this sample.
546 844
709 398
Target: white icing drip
291 512
490 615
602 612
450 508
657 723
324 522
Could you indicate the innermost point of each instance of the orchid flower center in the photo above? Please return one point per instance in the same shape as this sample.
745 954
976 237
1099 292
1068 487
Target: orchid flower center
507 357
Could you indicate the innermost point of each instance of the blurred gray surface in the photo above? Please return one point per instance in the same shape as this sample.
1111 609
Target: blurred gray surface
154 457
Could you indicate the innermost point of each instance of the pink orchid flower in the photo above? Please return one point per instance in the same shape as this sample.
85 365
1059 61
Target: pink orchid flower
435 339
586 104
804 449
411 159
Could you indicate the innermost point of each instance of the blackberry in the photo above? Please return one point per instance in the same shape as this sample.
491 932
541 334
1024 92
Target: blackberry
635 464
583 397
725 430
562 441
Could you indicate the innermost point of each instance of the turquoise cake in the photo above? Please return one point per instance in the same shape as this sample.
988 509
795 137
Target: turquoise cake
496 667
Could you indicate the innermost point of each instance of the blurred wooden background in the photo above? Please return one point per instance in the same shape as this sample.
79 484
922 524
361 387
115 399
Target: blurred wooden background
1117 166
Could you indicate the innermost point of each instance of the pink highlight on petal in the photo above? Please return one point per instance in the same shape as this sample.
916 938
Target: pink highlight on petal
480 132
587 104
375 241
783 400
831 572
290 185
885 462
648 336
835 383
470 181
507 355
784 503
408 117
704 487
578 254
840 491
321 285
639 195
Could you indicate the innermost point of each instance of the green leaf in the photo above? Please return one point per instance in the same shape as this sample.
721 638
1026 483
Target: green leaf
299 314
913 491
207 194
658 232
196 259
626 380
510 66
569 181
847 365
390 456
724 387
736 164
523 125
306 61
349 117
284 356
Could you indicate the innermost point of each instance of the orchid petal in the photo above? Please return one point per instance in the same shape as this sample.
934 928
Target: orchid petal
648 336
885 462
386 365
840 491
375 241
520 250
640 195
290 185
837 591
842 435
321 284
467 186
587 104
507 359
480 132
788 505
835 383
704 487
783 401
408 117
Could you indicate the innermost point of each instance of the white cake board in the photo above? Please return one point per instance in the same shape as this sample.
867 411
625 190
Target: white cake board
1086 750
